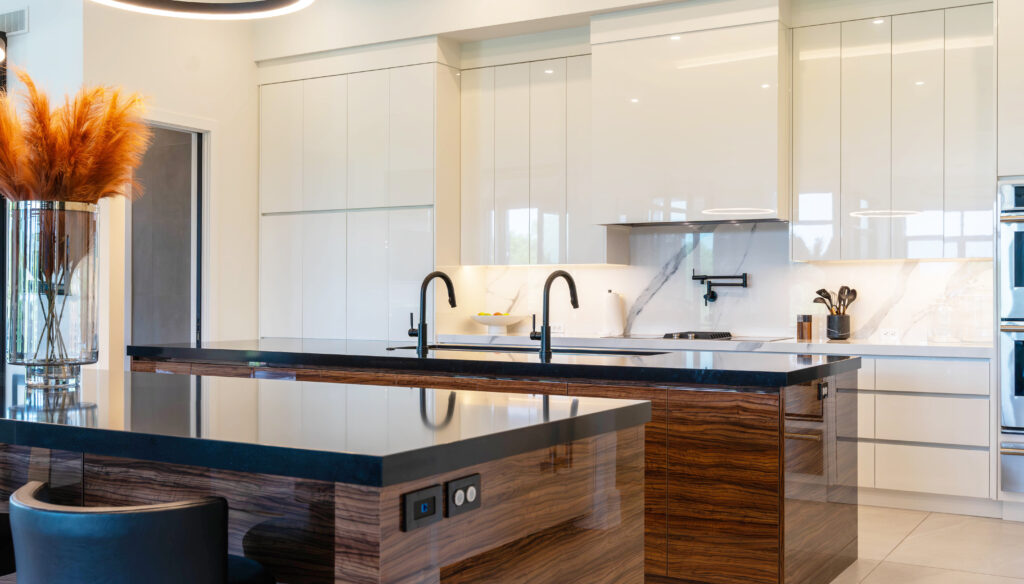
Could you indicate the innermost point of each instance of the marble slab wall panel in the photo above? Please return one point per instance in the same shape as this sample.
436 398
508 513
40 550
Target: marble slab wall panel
901 301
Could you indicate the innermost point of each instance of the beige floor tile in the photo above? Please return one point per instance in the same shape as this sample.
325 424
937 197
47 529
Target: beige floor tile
968 544
893 573
882 529
856 572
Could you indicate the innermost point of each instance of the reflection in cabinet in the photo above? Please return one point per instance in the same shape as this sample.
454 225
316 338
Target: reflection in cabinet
367 301
917 134
970 156
547 161
816 205
866 138
478 184
323 275
281 276
512 164
281 147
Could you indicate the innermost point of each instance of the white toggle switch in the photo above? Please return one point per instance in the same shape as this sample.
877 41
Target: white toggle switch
470 494
460 497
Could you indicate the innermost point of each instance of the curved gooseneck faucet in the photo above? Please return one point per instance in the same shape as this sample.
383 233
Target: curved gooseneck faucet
421 332
545 329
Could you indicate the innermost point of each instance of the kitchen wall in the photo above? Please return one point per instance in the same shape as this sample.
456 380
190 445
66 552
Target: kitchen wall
905 301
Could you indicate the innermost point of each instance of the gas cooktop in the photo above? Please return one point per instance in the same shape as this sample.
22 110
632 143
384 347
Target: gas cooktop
700 336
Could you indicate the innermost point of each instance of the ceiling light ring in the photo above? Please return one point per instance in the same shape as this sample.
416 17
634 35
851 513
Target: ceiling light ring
209 10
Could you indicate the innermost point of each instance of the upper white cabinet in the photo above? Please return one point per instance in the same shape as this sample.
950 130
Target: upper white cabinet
970 120
907 110
1011 87
281 147
816 158
411 135
692 126
368 139
526 167
866 138
324 143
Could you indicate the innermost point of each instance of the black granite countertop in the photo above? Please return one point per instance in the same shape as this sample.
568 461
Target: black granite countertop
746 371
367 435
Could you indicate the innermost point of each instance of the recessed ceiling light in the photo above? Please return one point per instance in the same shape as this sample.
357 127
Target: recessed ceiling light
549 71
919 83
210 10
879 21
765 85
675 37
634 100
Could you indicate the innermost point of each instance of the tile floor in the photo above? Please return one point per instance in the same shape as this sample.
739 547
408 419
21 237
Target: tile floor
915 547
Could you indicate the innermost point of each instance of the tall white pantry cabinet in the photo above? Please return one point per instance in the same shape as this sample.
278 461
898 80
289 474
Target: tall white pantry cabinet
355 172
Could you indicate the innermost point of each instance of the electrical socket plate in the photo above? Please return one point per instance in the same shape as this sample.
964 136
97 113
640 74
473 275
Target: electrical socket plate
889 335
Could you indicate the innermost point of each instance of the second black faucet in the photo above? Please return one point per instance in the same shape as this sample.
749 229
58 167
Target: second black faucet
544 336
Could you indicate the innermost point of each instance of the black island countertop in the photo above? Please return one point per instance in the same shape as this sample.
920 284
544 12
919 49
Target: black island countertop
746 371
365 435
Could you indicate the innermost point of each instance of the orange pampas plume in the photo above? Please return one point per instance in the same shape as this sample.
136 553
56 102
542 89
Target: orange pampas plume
83 151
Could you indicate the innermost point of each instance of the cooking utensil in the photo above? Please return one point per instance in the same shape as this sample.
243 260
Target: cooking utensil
851 297
823 300
824 295
844 295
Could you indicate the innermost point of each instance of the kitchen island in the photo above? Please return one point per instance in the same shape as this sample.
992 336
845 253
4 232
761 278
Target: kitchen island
359 484
746 479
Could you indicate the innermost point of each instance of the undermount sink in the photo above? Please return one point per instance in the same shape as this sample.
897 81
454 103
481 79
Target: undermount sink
521 349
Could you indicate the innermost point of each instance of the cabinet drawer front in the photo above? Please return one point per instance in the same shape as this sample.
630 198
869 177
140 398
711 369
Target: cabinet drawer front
866 374
861 426
920 418
966 376
925 469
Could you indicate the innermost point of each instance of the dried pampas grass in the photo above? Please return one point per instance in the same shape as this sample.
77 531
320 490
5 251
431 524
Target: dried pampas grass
83 151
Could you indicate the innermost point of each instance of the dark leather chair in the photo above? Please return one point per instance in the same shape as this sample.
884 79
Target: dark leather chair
170 543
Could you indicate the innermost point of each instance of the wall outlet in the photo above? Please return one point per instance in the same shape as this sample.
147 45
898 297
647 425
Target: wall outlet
889 335
557 329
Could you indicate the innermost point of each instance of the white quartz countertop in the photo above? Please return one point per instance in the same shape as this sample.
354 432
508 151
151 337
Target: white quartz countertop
853 347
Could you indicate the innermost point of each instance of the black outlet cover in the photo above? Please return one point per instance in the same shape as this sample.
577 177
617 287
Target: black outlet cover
463 484
421 508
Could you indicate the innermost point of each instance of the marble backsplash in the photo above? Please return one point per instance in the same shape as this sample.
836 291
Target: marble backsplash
899 301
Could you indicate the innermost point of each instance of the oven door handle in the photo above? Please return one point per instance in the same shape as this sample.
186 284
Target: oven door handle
1011 218
1011 328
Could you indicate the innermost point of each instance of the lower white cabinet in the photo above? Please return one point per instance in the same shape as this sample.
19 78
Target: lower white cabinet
929 469
961 421
335 275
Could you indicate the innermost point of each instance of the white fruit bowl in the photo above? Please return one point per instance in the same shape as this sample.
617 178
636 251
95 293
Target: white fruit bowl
498 325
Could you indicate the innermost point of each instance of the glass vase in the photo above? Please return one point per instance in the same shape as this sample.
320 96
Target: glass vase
52 283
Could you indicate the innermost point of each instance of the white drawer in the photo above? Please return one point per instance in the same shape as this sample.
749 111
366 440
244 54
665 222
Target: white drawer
866 374
925 469
865 405
965 376
925 418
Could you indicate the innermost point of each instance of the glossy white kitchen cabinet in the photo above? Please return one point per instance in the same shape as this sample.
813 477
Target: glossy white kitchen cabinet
411 135
367 280
918 88
512 164
324 259
281 147
410 258
816 137
866 138
477 128
324 143
368 96
931 469
1010 18
547 147
692 126
281 276
970 156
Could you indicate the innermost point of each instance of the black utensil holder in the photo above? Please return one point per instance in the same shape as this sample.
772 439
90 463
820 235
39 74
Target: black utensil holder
838 327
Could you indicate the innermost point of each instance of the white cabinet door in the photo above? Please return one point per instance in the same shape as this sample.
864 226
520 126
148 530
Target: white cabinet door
410 259
281 276
940 420
547 161
918 87
687 126
367 280
512 164
1010 18
368 139
866 139
411 141
586 241
478 166
281 147
970 132
324 257
957 376
931 469
816 161
325 143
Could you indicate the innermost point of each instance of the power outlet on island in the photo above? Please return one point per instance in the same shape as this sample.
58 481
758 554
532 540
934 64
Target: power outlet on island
558 329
